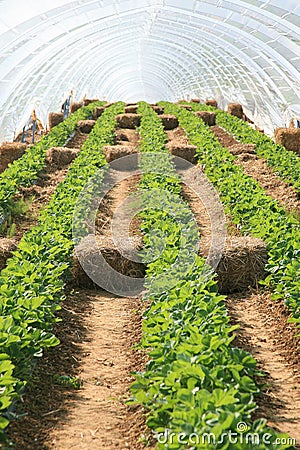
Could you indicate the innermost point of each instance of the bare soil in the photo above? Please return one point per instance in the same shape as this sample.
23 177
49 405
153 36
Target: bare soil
97 416
97 333
266 334
258 169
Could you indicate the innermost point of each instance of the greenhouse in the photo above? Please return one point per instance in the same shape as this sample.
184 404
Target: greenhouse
149 219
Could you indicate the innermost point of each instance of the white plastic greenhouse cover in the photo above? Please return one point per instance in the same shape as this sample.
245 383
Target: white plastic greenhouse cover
232 50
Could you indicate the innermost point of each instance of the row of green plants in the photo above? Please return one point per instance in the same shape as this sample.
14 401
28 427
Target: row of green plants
25 170
251 209
31 286
197 389
285 163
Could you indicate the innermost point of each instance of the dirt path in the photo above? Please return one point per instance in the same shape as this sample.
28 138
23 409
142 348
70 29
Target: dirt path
258 169
97 333
265 333
97 416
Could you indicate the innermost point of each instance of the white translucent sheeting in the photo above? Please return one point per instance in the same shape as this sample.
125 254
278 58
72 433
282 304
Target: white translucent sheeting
246 51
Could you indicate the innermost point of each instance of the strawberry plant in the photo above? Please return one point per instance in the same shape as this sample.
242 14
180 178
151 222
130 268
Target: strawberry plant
195 382
24 171
31 286
285 163
251 209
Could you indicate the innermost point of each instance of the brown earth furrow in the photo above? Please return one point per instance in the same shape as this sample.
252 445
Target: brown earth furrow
258 169
265 333
97 416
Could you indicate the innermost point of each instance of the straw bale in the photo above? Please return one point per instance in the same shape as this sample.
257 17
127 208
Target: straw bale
187 107
157 109
7 246
208 117
86 126
289 138
131 121
113 152
61 156
54 119
242 264
177 135
87 101
9 151
169 121
89 254
182 150
122 135
211 102
132 109
75 106
236 109
98 111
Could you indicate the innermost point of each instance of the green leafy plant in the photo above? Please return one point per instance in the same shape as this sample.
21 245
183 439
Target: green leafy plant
285 163
68 381
195 382
24 171
31 286
251 209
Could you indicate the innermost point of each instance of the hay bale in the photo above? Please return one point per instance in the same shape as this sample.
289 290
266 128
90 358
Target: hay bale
183 150
98 111
88 253
54 119
239 149
211 102
123 136
75 106
60 157
196 100
87 101
157 109
169 121
289 138
131 121
236 109
132 109
9 151
177 135
187 107
113 152
242 264
86 126
208 117
7 246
